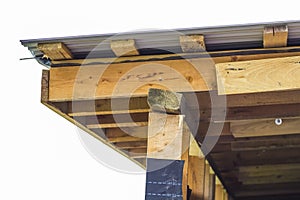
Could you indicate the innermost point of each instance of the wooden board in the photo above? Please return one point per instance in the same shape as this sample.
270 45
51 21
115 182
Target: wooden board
259 75
129 79
55 51
256 128
124 47
275 36
192 43
196 175
165 136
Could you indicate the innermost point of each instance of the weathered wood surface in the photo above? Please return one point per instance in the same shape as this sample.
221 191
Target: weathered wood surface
259 75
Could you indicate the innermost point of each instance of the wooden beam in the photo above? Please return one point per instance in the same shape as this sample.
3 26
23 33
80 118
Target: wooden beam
275 36
45 101
263 143
192 43
219 190
254 128
108 106
116 125
124 47
207 185
129 79
166 138
196 177
259 75
55 51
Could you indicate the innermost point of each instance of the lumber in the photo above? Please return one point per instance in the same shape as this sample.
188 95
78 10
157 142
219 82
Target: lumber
129 79
258 75
263 143
166 136
51 106
192 43
55 51
196 177
219 190
116 125
275 36
124 47
207 185
260 128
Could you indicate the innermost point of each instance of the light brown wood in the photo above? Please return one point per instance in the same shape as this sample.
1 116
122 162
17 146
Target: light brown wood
218 191
126 139
194 149
185 172
259 75
196 177
207 189
129 79
256 128
108 106
192 43
116 125
124 47
166 136
55 51
275 36
139 131
79 125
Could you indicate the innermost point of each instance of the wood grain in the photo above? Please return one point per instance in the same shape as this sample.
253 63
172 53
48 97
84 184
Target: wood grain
256 128
129 79
259 75
275 36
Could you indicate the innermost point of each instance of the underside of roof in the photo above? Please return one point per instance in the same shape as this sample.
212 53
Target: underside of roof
251 91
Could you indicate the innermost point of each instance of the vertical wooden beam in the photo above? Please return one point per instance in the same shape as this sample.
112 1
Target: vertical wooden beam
124 47
206 195
196 174
219 190
275 36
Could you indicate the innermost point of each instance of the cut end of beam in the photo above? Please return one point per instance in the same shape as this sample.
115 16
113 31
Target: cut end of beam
55 51
275 36
192 43
124 48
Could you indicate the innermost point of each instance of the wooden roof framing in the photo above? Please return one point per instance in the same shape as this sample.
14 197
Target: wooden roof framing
255 158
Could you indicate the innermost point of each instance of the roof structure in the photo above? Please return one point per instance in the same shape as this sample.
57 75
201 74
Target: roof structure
238 88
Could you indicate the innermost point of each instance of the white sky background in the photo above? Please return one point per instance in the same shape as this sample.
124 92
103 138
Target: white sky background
41 155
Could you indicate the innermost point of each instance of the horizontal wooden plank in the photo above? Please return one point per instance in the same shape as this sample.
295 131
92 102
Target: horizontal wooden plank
140 131
129 79
259 75
117 118
116 125
266 143
131 145
231 160
254 112
255 128
125 139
